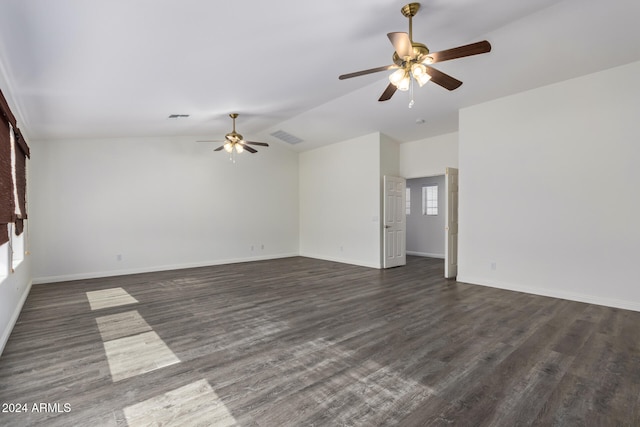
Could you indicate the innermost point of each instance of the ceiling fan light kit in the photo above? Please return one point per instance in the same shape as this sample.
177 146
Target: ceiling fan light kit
235 142
412 60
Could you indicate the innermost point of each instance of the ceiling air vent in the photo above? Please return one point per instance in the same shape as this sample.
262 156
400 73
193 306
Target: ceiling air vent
286 137
178 116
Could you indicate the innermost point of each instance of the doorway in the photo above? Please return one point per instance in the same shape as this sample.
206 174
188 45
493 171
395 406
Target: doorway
425 224
432 218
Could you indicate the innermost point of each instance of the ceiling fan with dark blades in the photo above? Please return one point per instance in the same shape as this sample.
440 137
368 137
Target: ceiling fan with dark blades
234 142
411 60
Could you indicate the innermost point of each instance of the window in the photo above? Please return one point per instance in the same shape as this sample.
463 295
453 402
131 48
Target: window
11 253
17 247
407 199
4 261
430 200
14 152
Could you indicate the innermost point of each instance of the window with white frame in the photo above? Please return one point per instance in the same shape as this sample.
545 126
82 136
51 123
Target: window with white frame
17 247
14 152
4 261
407 201
430 200
11 253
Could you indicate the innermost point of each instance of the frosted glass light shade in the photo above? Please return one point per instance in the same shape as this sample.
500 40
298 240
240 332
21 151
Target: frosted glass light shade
404 84
397 76
423 79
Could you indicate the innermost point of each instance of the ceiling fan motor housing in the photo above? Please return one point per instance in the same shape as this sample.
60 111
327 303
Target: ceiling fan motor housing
233 136
420 51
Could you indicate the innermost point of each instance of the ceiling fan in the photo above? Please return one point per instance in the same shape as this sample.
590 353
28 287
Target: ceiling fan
411 61
234 142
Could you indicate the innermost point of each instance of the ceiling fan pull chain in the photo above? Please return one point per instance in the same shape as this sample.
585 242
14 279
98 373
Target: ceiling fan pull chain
411 92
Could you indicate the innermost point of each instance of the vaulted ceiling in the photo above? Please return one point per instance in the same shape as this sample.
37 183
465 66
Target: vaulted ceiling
117 68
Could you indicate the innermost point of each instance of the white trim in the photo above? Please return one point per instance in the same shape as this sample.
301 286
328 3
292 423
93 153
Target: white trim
571 296
99 274
14 318
425 254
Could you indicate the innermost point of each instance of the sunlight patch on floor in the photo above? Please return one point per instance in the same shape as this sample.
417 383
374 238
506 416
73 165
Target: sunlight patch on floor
122 325
137 354
192 405
106 298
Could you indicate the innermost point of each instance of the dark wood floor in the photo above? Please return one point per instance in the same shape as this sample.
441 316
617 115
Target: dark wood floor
302 342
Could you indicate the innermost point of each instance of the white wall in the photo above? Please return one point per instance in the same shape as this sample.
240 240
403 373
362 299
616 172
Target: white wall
160 203
549 190
429 156
389 157
340 202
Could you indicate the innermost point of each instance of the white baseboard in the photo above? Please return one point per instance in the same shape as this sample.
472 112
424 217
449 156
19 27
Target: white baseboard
425 254
342 260
123 272
14 318
571 296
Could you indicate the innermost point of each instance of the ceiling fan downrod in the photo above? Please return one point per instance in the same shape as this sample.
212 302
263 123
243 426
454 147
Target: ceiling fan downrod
409 11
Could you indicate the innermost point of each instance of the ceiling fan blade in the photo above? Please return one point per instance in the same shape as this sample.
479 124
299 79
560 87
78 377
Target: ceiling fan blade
402 44
249 149
219 148
458 52
369 71
388 92
442 79
264 144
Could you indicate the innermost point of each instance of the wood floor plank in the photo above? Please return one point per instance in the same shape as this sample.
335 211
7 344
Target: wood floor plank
298 341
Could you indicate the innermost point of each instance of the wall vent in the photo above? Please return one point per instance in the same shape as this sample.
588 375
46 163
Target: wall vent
287 137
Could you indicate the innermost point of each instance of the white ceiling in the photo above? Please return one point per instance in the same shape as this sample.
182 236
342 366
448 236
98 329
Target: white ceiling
116 68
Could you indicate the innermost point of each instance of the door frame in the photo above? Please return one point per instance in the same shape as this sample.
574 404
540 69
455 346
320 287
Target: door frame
451 185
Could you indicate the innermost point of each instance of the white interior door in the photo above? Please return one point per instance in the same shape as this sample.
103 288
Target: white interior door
451 228
395 226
